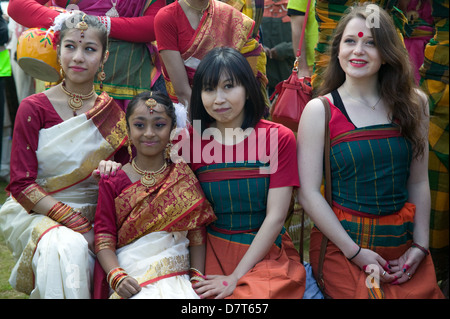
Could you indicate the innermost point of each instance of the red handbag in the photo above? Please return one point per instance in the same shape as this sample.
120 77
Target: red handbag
293 93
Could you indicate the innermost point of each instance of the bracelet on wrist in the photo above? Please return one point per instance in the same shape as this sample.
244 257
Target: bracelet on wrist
195 275
115 277
359 250
423 249
69 217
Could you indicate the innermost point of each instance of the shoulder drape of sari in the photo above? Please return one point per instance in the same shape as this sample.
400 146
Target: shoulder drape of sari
251 8
176 203
83 141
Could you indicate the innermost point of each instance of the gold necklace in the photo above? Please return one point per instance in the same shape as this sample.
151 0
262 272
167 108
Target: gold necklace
76 100
354 99
201 10
149 178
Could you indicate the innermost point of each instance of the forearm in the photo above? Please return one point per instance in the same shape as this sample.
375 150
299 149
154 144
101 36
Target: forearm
178 75
296 28
419 195
324 218
44 205
108 259
31 13
136 29
198 254
261 245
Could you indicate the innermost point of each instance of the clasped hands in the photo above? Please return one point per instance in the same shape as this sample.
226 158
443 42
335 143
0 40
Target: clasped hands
396 271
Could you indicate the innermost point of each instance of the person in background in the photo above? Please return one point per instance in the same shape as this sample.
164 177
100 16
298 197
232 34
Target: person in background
186 30
378 227
251 8
418 13
276 39
133 66
296 11
5 71
434 82
60 137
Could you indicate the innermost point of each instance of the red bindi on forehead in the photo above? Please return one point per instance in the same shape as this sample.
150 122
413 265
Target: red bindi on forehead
360 34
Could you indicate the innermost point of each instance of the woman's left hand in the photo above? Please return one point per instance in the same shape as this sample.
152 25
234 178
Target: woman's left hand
216 285
106 168
406 265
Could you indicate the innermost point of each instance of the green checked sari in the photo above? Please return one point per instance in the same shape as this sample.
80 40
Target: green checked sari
370 167
434 82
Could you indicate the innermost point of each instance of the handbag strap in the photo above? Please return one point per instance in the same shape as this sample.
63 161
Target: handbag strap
303 29
327 145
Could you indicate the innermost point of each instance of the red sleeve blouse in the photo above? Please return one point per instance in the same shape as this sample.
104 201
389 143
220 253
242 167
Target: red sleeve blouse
33 14
172 28
34 113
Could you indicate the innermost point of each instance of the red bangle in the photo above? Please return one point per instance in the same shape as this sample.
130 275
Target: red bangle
423 249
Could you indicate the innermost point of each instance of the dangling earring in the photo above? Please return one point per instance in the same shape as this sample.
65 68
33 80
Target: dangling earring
168 151
61 72
101 76
130 150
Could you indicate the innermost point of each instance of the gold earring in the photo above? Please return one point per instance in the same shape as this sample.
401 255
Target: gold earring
130 150
101 76
168 151
61 72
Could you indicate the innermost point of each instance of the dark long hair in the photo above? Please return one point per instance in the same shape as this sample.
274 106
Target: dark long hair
395 77
231 62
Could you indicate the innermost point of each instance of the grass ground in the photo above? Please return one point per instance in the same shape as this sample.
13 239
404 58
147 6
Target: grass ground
6 262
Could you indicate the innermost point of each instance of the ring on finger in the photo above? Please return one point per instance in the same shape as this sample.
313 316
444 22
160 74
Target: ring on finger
409 275
384 273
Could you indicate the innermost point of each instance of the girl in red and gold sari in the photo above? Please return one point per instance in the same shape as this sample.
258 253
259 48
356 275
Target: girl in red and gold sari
188 29
378 227
150 213
59 139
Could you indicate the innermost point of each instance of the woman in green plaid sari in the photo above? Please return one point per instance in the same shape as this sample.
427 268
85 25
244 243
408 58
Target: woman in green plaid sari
378 227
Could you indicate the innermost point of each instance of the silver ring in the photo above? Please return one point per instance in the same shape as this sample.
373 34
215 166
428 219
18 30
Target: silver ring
384 273
409 275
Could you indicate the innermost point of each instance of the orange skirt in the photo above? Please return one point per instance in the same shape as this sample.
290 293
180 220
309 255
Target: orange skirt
345 280
280 275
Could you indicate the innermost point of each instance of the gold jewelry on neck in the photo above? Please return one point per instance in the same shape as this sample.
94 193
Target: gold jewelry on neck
359 101
201 10
149 178
76 100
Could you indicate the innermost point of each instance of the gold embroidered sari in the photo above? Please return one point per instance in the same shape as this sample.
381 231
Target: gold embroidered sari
153 225
222 25
53 261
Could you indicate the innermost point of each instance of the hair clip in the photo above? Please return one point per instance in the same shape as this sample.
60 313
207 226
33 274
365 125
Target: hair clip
151 103
82 25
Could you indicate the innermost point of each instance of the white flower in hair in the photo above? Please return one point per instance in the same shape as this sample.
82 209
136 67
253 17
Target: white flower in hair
181 115
60 20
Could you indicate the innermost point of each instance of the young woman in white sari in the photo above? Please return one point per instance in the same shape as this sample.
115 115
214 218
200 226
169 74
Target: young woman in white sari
60 136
